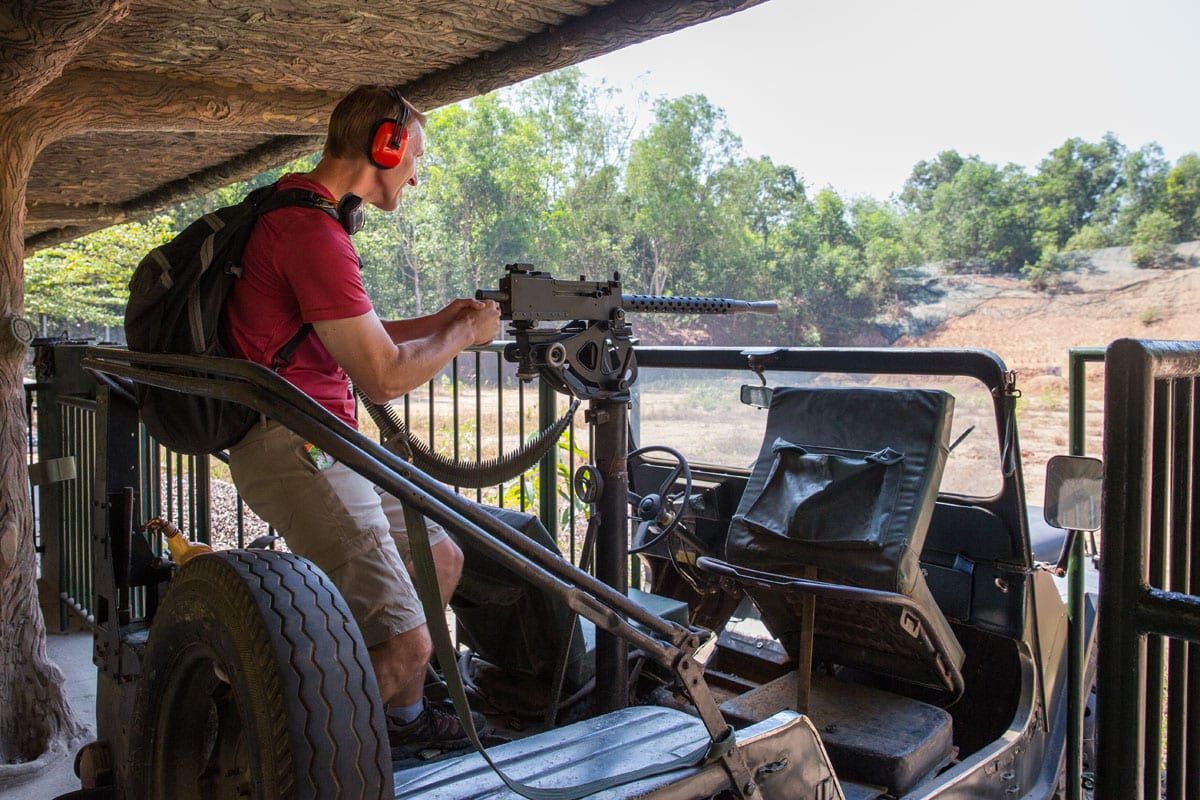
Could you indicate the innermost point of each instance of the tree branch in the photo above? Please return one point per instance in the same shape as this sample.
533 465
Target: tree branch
99 101
39 38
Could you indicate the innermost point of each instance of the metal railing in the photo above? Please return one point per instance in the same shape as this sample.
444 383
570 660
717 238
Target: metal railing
184 492
1149 645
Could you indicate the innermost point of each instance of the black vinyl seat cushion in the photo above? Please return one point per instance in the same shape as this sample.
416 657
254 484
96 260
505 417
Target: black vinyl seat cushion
844 486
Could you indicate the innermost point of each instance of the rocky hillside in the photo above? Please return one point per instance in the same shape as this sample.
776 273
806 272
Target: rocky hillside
1106 299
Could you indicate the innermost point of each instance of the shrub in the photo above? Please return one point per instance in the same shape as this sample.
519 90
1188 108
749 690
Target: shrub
1089 237
1044 273
1152 240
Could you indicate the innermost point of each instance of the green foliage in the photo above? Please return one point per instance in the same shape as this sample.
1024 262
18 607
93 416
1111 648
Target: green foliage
1076 184
1153 239
1183 196
529 485
87 280
1089 237
1150 315
551 172
983 217
1045 273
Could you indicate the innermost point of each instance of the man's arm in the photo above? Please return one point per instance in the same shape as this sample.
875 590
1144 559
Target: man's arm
403 330
384 369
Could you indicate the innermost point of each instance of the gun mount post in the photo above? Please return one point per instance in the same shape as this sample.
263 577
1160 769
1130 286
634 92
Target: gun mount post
611 418
591 357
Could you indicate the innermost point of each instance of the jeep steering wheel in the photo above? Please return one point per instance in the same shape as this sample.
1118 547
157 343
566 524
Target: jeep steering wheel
656 512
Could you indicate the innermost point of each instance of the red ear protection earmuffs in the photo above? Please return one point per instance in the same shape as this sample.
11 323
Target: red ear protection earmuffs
389 137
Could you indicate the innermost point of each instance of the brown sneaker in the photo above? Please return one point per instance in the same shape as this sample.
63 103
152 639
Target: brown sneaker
437 727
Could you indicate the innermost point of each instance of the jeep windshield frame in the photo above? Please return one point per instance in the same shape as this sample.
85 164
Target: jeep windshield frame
984 366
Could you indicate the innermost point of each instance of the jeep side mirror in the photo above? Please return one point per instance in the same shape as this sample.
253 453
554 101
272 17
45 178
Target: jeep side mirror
1073 493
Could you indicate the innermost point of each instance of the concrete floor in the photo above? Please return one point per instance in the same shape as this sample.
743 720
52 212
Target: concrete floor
73 654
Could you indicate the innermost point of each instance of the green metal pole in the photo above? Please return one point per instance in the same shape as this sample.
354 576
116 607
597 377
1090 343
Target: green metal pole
1075 590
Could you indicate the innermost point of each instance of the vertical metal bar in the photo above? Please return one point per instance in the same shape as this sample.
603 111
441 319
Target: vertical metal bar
500 420
1181 556
548 466
521 440
1121 720
478 417
190 461
1077 402
77 582
431 431
65 498
571 490
60 495
167 494
241 521
180 497
454 404
89 495
204 498
1189 705
1160 520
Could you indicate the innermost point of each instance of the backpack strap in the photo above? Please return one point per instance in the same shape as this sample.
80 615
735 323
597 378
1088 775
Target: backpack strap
284 199
284 354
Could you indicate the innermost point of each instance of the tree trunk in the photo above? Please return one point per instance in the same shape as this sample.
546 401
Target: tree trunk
36 722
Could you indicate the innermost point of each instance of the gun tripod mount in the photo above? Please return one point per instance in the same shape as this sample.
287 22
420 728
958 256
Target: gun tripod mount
591 355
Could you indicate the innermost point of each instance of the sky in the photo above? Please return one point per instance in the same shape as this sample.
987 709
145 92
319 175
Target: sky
852 93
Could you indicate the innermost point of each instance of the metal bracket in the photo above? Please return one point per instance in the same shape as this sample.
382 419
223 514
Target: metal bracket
52 470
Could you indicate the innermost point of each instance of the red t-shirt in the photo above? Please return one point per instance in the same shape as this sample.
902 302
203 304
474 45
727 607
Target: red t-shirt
299 266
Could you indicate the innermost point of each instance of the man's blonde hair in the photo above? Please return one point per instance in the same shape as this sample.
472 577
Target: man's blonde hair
354 118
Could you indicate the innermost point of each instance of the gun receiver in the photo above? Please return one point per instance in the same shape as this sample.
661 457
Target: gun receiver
591 356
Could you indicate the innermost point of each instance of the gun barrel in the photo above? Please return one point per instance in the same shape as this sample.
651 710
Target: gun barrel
660 304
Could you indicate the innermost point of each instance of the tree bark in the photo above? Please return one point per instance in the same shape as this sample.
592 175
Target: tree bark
40 37
95 101
35 720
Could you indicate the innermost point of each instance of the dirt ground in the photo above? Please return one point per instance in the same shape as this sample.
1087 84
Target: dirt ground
1033 331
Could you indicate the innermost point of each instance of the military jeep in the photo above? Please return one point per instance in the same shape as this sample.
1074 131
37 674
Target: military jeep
823 618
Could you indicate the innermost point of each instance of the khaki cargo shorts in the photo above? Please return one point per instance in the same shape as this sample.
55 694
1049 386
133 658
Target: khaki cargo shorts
337 519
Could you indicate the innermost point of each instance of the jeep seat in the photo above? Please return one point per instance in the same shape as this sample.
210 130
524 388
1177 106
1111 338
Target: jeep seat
827 536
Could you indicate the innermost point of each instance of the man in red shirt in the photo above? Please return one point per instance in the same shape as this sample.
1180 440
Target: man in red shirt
299 267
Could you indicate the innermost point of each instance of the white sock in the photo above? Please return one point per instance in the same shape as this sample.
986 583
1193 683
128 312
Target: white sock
406 714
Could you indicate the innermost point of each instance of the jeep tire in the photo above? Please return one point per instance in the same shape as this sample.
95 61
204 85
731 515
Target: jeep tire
256 683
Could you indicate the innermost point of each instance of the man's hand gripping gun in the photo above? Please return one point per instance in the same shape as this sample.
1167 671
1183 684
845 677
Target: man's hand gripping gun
591 356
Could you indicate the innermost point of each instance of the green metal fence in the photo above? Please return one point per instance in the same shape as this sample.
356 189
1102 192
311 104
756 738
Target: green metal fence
1148 744
478 385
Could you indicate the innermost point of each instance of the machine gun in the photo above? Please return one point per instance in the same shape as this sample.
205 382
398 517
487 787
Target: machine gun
591 356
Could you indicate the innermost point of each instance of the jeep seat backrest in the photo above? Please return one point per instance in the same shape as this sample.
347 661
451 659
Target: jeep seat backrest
837 507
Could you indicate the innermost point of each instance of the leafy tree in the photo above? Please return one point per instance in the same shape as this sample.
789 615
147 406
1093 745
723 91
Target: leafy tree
888 244
669 187
87 280
1077 182
1143 189
1183 196
983 217
1153 239
927 176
